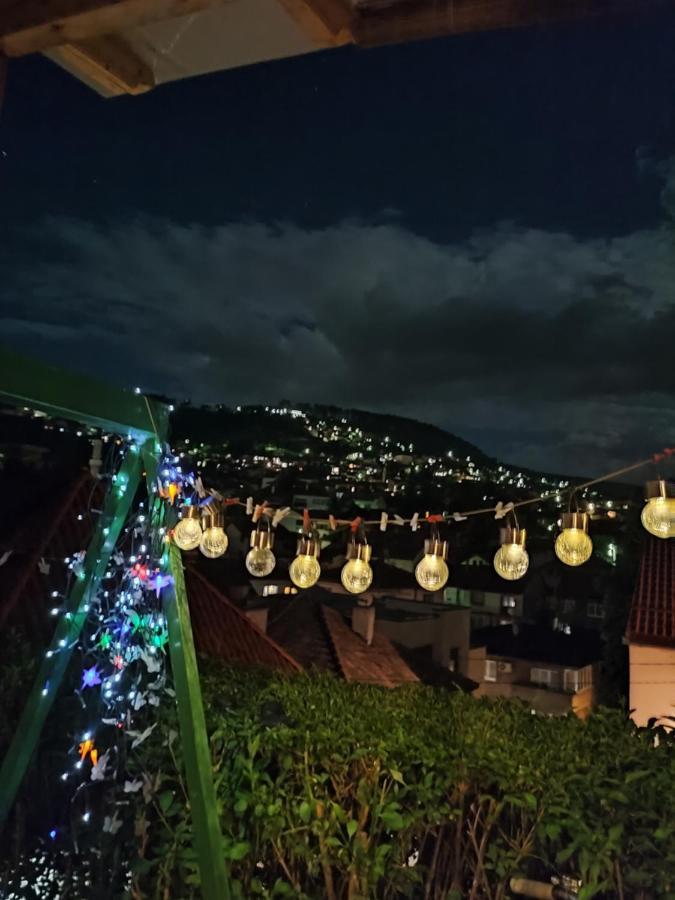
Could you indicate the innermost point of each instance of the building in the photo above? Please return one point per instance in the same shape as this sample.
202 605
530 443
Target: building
553 672
651 634
492 600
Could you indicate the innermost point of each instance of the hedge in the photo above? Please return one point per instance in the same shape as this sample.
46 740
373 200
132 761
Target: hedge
336 790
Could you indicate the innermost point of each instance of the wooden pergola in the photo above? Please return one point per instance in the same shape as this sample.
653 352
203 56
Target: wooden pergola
130 46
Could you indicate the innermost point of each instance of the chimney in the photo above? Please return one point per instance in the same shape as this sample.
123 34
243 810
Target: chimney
363 622
96 462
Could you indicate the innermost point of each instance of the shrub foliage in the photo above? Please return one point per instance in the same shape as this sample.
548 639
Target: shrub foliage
335 790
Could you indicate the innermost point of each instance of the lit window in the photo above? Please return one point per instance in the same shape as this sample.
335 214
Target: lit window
490 670
545 677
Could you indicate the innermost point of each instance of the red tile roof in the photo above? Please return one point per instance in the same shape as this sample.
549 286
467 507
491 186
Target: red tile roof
297 624
223 631
652 615
380 663
320 637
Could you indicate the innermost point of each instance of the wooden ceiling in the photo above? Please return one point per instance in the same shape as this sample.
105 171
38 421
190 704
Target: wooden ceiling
129 46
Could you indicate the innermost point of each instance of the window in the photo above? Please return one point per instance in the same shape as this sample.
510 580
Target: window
571 681
595 611
549 678
490 670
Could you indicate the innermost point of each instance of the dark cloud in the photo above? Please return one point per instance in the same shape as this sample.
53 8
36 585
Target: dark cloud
545 349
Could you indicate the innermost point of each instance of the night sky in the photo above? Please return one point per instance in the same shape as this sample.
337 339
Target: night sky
474 231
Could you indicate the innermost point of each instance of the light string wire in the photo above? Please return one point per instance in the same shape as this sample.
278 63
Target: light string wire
499 509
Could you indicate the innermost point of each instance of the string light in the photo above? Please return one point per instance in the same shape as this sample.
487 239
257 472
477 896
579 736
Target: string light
432 572
511 560
305 570
357 575
658 513
214 541
260 561
188 532
573 546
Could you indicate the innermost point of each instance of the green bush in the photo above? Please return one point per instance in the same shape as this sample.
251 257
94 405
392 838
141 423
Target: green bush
328 789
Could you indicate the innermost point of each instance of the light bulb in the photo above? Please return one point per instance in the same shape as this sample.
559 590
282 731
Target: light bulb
188 532
658 514
214 541
511 560
305 571
356 576
432 572
260 561
573 546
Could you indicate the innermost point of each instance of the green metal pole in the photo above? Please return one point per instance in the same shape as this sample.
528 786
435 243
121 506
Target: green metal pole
53 666
194 737
208 840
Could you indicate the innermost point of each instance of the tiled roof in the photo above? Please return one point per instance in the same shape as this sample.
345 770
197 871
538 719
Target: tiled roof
652 614
51 533
539 643
223 631
379 663
318 635
297 624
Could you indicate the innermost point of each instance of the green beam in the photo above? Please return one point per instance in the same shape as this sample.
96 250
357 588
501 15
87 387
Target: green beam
69 396
208 840
67 633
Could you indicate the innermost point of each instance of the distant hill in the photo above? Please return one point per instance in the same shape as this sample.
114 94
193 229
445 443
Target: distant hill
258 427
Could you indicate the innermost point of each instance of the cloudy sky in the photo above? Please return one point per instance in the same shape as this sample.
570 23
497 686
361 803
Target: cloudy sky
475 232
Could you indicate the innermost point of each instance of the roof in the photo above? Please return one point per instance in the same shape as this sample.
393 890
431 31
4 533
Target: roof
129 46
224 632
296 623
379 663
539 643
319 635
652 614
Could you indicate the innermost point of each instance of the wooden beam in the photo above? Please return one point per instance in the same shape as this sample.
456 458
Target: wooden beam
107 64
31 26
315 26
417 21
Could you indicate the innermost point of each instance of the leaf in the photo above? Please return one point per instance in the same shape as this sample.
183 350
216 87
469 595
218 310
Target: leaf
165 800
238 851
396 775
392 820
352 826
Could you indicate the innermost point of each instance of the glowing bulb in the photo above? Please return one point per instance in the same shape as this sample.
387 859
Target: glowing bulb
214 541
432 570
511 560
305 569
658 514
573 545
188 532
356 576
260 561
